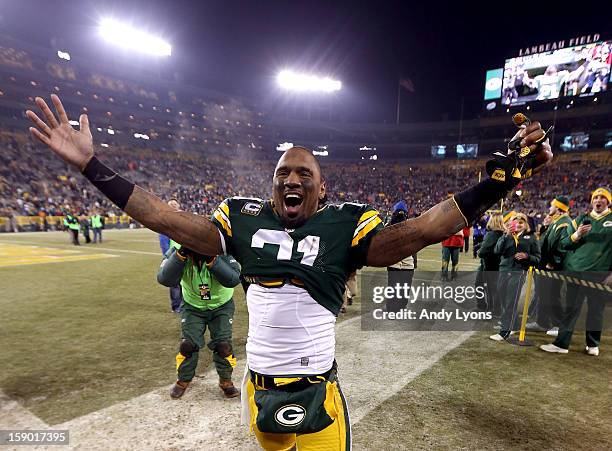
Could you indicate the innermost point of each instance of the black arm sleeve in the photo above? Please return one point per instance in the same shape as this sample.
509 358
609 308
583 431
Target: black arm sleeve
474 201
112 185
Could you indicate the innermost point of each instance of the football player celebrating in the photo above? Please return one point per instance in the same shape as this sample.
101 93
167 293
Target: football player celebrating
296 257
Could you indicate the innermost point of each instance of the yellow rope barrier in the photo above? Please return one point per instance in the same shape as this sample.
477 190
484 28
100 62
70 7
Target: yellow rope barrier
526 304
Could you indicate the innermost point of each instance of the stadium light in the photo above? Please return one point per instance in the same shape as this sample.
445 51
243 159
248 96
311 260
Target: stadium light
304 82
63 55
124 36
284 146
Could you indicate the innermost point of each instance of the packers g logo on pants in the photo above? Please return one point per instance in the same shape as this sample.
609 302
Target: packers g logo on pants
290 415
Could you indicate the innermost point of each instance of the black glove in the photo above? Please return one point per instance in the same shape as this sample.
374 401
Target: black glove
519 162
184 252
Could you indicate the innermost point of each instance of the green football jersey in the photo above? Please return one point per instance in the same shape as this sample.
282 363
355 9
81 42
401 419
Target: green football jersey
322 253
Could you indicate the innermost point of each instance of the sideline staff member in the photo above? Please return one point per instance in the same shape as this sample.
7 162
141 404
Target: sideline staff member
207 285
591 260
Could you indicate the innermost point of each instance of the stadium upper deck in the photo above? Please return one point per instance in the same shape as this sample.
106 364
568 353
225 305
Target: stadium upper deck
127 109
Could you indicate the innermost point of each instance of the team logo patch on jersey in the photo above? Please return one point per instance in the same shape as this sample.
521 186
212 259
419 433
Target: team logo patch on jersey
251 208
607 224
290 415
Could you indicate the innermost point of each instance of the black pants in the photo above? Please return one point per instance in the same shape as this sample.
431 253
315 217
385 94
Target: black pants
75 236
86 235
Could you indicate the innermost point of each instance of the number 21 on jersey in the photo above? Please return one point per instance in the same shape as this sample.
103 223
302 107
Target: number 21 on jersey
309 246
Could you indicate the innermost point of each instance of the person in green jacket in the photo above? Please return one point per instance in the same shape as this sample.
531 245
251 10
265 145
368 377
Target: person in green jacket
97 224
547 306
518 250
489 261
589 246
207 287
71 223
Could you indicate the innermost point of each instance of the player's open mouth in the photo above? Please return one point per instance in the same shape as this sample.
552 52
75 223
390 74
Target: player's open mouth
293 202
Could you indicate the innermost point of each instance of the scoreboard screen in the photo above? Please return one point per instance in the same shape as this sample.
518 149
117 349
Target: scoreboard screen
575 141
608 141
574 71
438 151
467 150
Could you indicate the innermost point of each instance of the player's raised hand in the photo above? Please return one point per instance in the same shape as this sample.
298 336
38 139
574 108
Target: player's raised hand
74 147
533 136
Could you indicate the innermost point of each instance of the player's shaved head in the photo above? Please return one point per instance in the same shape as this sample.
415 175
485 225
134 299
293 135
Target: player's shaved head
298 186
307 153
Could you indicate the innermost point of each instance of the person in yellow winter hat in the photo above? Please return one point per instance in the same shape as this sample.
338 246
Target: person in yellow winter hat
589 246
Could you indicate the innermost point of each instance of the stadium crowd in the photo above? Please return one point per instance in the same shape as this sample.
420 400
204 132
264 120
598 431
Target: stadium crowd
201 181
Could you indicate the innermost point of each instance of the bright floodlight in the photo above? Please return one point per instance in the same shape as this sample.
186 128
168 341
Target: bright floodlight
124 36
63 55
303 82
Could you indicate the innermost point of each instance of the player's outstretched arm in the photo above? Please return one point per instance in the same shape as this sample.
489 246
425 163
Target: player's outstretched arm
397 242
76 148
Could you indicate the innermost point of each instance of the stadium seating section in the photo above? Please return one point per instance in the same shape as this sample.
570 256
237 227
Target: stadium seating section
202 146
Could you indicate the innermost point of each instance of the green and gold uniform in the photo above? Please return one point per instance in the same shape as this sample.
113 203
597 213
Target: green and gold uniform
321 254
589 258
297 277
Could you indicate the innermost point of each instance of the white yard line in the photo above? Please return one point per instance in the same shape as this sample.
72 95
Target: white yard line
92 247
14 416
373 366
461 262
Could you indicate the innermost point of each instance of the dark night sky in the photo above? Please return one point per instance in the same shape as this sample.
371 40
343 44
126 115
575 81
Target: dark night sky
238 46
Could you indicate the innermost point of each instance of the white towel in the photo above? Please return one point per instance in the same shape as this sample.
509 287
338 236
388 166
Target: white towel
245 414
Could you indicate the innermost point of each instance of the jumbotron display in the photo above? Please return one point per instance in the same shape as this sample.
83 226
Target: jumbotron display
573 71
467 150
438 151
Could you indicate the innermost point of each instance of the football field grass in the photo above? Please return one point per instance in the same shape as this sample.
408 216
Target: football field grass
83 328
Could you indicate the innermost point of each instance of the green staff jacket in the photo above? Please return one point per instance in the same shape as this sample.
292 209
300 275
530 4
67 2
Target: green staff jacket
553 253
205 286
592 252
509 245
